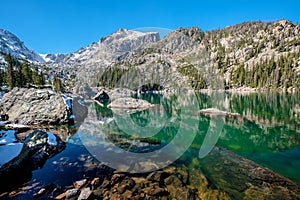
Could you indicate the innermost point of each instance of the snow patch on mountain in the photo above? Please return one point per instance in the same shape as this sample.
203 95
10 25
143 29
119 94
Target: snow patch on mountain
9 43
51 58
106 50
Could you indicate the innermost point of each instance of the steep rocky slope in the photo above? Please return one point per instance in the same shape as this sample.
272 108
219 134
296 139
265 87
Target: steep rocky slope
251 44
9 43
251 54
87 60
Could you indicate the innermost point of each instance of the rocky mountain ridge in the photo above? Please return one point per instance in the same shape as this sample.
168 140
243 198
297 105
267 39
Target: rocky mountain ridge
9 43
84 62
251 54
238 55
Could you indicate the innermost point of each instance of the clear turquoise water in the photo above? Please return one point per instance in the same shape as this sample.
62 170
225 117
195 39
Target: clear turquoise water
267 132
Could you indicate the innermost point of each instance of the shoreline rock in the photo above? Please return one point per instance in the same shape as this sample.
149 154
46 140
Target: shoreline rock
217 112
34 106
37 147
130 104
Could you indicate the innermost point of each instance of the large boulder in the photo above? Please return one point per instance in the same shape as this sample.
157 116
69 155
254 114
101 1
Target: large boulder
34 106
130 103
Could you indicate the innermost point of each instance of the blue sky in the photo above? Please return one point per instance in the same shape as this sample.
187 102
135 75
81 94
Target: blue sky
63 26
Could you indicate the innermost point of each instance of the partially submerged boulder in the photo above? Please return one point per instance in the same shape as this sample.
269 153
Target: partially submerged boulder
34 106
217 112
35 149
130 103
9 147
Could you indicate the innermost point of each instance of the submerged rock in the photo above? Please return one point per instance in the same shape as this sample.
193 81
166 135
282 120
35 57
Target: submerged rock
244 179
80 184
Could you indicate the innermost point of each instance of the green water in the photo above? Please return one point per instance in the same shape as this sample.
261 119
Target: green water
267 131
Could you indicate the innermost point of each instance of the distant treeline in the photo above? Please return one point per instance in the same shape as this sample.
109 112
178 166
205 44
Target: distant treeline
23 74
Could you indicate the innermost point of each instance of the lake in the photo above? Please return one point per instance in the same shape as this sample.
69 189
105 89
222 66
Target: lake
174 133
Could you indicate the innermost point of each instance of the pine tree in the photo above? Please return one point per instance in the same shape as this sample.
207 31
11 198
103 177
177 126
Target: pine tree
2 77
35 76
42 79
27 74
58 86
20 82
10 79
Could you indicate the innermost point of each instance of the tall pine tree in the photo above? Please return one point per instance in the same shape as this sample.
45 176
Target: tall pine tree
10 79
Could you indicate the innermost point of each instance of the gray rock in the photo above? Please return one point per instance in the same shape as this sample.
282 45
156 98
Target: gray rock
72 193
130 103
40 193
217 112
85 194
34 106
85 91
120 93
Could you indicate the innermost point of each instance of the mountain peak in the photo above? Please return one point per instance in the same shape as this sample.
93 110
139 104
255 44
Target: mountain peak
11 44
122 30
